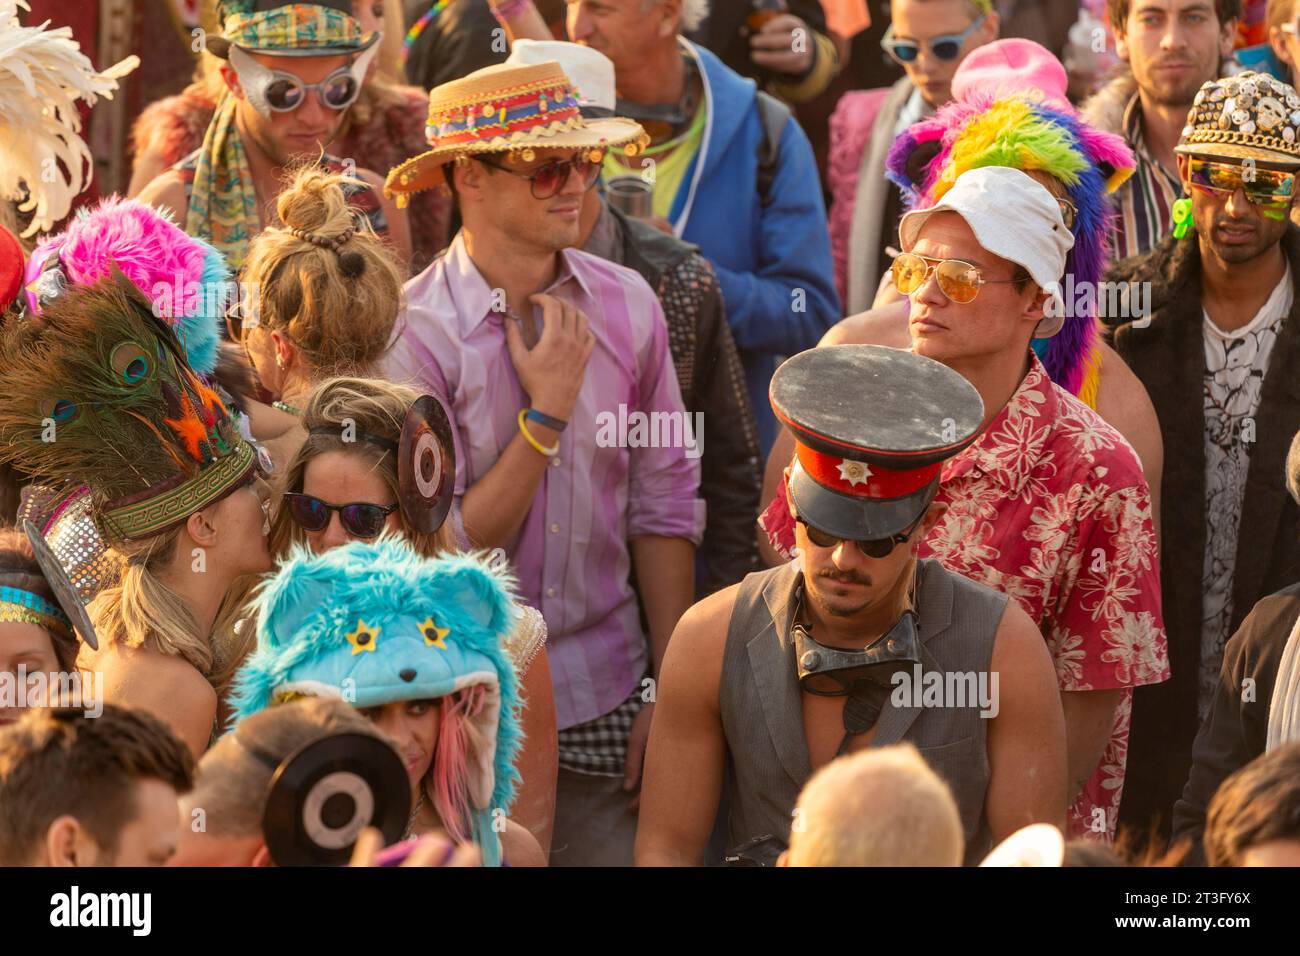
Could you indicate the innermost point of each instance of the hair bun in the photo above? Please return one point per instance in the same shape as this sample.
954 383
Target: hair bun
352 264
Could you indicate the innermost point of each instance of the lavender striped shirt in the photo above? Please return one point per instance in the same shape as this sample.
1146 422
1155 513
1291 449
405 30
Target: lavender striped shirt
571 554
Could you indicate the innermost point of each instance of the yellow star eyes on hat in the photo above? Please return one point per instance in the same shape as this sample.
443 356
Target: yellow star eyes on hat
364 638
434 636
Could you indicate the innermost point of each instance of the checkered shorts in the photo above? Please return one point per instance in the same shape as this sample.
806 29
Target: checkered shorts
599 747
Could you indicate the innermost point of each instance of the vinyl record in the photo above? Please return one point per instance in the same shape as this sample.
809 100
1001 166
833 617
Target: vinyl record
324 794
63 590
426 465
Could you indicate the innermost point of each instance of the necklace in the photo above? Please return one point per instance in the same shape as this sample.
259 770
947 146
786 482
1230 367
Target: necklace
287 408
415 815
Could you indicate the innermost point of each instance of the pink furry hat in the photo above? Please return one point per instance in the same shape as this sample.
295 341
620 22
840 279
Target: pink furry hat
185 278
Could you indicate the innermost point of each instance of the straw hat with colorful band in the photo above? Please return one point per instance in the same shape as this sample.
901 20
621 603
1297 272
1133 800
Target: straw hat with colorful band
1247 116
97 392
872 428
323 28
24 607
507 108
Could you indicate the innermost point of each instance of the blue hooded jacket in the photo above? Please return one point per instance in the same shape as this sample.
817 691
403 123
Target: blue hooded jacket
774 263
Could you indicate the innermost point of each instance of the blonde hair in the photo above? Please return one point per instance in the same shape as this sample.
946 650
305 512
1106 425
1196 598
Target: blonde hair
363 406
336 297
877 807
139 610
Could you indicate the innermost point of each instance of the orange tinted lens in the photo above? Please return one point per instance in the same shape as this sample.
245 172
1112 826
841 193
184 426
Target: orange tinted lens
960 281
909 273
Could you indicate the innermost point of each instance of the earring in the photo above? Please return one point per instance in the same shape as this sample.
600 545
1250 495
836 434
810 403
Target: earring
1182 210
279 362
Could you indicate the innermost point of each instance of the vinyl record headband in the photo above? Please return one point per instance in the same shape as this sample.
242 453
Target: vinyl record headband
426 462
64 592
326 792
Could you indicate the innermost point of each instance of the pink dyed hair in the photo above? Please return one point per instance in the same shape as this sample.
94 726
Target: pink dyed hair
447 782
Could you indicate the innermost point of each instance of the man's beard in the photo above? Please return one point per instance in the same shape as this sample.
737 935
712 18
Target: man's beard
839 610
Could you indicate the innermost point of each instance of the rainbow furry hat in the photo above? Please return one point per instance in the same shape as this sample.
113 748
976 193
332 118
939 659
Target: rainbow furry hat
1020 131
184 277
374 623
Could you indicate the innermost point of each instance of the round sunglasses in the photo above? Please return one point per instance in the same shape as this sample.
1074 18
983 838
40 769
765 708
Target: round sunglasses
873 548
959 281
945 47
359 519
549 178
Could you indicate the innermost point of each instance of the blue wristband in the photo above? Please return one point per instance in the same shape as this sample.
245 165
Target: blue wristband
554 424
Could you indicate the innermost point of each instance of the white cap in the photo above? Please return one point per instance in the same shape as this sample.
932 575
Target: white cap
590 71
1014 217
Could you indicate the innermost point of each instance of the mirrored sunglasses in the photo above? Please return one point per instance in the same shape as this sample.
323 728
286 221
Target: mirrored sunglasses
959 281
1265 187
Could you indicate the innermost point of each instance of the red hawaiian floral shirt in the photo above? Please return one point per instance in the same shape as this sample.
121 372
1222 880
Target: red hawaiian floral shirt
1050 506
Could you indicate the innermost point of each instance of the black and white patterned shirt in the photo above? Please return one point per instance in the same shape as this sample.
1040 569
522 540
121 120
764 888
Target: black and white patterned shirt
1235 364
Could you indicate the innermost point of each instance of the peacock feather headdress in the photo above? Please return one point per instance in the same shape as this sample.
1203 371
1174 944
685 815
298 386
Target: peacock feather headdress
1022 131
96 392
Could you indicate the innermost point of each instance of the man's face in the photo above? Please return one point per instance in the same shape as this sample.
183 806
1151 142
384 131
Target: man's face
299 134
623 30
1232 227
150 839
843 582
922 21
1000 317
1173 47
549 224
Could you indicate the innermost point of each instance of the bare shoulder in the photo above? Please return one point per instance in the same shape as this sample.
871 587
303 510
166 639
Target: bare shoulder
1019 645
164 685
519 847
886 325
167 191
693 662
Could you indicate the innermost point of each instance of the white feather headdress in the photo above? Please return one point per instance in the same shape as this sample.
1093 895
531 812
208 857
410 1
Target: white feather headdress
43 159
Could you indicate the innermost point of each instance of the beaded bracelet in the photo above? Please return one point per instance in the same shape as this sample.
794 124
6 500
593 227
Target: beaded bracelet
542 449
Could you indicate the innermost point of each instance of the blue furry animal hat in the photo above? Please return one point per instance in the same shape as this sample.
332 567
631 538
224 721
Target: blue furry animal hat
374 623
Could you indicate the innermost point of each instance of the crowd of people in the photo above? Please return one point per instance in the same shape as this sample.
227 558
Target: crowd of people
656 432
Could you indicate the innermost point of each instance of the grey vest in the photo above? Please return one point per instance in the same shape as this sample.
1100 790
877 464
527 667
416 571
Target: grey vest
762 711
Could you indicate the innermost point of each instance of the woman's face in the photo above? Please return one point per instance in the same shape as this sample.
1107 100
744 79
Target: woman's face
242 520
30 647
412 725
343 478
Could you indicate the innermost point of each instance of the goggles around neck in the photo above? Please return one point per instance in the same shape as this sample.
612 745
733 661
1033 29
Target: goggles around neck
275 91
1271 189
837 672
945 47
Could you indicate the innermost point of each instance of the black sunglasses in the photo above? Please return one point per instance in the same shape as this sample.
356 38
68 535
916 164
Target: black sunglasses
359 519
874 548
549 178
